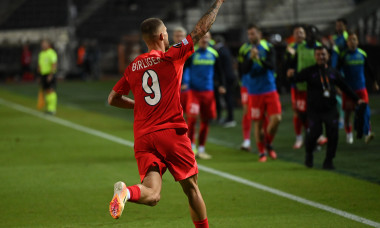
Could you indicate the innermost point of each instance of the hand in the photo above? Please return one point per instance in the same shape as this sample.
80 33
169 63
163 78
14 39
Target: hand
291 50
49 77
184 87
376 86
222 90
254 53
290 73
361 101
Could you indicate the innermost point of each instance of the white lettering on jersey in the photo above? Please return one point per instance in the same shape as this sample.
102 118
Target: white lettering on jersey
145 63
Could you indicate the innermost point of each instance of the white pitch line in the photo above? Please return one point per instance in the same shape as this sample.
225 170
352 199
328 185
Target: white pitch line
201 167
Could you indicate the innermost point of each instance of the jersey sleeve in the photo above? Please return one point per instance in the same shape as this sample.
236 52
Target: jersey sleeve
54 57
181 50
122 86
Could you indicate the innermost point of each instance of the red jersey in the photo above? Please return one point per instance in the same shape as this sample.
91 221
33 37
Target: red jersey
155 80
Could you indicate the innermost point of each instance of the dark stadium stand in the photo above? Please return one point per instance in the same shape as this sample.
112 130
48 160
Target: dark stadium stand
37 14
118 17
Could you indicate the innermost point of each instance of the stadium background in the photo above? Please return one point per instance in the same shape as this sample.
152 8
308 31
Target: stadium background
69 175
111 27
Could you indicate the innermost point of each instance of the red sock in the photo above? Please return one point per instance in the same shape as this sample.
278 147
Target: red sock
246 126
348 129
261 147
269 138
297 123
191 121
201 224
134 193
203 132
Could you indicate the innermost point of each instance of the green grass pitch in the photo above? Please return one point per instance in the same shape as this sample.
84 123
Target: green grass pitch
55 176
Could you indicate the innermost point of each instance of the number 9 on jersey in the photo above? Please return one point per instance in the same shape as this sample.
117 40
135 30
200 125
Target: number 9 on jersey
153 89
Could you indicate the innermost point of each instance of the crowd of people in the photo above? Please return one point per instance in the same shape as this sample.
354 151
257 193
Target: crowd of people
341 69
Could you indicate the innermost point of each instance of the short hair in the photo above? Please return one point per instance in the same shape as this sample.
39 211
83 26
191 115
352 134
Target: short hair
253 26
150 26
219 39
343 20
350 33
320 48
180 29
298 26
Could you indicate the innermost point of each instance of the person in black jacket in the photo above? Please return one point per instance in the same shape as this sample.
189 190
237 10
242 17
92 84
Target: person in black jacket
226 61
322 109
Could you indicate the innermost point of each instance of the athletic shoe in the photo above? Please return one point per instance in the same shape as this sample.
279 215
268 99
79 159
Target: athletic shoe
328 164
298 144
322 140
350 138
229 124
204 156
369 137
118 200
309 160
272 154
262 158
246 146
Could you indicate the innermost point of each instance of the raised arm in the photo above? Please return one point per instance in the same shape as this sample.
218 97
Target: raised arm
204 24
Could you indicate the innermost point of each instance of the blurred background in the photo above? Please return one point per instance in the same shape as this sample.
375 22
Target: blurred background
97 39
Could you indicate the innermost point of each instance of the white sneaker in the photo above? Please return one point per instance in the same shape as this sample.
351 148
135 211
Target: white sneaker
229 124
350 138
299 142
118 200
246 145
369 137
204 156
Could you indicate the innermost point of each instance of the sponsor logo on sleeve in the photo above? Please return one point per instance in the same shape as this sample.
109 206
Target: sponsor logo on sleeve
185 42
178 45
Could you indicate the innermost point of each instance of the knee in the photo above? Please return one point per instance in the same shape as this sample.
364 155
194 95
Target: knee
277 119
154 199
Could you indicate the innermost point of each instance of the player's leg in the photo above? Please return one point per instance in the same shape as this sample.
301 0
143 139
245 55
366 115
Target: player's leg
197 206
348 126
246 121
207 112
313 132
300 117
332 127
367 131
348 107
273 109
192 116
274 122
259 138
148 192
297 124
50 94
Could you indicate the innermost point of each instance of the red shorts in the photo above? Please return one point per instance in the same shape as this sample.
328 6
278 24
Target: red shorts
167 148
244 95
264 103
349 105
202 103
185 100
300 101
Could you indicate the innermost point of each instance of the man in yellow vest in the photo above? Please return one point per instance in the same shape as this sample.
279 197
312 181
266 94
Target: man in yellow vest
47 67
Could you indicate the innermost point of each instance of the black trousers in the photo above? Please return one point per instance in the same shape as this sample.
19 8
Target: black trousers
228 98
316 119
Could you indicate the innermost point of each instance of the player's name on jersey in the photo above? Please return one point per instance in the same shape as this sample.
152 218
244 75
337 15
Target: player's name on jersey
146 62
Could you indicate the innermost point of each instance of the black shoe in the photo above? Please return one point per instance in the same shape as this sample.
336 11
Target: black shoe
309 161
328 164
